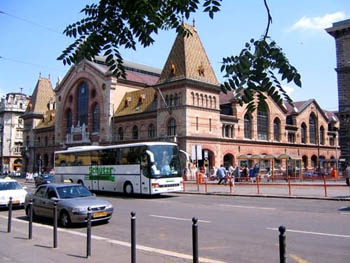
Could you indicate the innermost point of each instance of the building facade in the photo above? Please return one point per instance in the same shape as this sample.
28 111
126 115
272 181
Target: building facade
181 103
341 33
12 106
39 133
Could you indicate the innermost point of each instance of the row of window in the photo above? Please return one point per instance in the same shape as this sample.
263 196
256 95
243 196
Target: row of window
263 129
118 156
203 100
39 141
151 131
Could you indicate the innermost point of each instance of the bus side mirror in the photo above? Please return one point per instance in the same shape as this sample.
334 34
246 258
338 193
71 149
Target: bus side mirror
151 156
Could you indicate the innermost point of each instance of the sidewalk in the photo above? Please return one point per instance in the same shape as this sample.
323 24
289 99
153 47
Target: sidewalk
334 190
17 248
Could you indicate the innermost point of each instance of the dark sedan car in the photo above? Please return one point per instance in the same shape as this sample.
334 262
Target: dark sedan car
73 202
44 179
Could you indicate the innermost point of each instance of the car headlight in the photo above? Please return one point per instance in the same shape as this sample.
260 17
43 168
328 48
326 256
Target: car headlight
79 209
109 206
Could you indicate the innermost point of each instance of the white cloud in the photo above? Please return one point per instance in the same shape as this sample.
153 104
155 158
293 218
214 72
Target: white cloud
317 23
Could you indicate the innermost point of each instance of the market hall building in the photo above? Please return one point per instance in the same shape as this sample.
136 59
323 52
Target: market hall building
181 103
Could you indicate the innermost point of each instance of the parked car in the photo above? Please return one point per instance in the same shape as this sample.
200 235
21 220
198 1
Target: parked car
46 178
11 188
73 202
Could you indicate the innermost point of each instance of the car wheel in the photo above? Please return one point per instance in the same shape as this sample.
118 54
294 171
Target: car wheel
128 189
64 219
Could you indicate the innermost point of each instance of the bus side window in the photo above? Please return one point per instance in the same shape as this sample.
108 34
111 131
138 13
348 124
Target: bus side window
94 158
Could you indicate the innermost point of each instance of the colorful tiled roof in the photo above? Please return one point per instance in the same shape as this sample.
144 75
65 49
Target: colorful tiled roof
188 59
136 102
48 120
42 94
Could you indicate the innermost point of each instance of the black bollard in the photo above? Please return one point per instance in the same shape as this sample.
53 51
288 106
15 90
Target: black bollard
133 237
55 224
88 234
9 216
282 239
30 214
195 239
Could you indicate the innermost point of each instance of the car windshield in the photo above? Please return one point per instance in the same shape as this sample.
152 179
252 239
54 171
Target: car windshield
73 191
9 186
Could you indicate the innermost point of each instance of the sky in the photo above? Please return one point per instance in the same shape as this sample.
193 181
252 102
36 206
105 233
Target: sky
32 38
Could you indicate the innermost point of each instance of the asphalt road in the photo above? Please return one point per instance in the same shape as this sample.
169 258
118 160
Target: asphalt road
231 229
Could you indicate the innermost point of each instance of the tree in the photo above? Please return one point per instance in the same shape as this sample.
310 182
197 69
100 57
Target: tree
113 24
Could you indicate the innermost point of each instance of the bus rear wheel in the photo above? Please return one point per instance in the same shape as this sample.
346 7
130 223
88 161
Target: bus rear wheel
128 189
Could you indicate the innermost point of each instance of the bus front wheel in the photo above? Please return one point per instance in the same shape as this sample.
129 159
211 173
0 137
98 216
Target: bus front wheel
128 189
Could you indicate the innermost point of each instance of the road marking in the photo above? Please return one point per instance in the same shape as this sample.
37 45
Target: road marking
348 214
250 207
299 259
124 244
180 219
311 233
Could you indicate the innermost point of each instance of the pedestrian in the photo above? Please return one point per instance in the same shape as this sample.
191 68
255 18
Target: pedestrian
256 170
244 174
251 174
347 173
236 174
221 174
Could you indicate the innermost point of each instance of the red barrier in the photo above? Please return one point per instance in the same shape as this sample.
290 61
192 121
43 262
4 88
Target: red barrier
206 184
258 184
289 186
230 178
325 187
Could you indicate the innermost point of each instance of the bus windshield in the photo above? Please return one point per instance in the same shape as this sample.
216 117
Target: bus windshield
166 161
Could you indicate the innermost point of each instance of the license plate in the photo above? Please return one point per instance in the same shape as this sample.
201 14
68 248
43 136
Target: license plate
15 202
99 214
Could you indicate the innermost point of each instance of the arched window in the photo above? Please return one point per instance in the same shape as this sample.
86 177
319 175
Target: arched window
96 118
312 128
197 99
210 102
120 134
82 104
303 132
276 129
192 98
206 101
135 132
46 141
247 126
69 120
322 135
202 100
151 131
214 101
263 124
171 127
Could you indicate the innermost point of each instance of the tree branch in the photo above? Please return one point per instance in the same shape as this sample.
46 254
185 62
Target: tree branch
269 19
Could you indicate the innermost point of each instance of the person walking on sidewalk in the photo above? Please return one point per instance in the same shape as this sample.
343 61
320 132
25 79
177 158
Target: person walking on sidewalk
221 174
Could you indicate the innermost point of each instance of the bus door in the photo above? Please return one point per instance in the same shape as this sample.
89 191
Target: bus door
144 174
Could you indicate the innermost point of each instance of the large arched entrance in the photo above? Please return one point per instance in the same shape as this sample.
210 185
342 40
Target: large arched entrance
314 161
229 160
305 162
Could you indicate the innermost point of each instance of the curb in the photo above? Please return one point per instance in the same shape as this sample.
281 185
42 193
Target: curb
269 196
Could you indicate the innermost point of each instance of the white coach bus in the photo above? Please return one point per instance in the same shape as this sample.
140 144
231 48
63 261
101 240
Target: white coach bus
140 168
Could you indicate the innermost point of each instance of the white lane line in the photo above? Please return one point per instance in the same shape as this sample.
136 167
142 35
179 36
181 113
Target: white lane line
249 207
180 219
311 233
348 214
125 244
